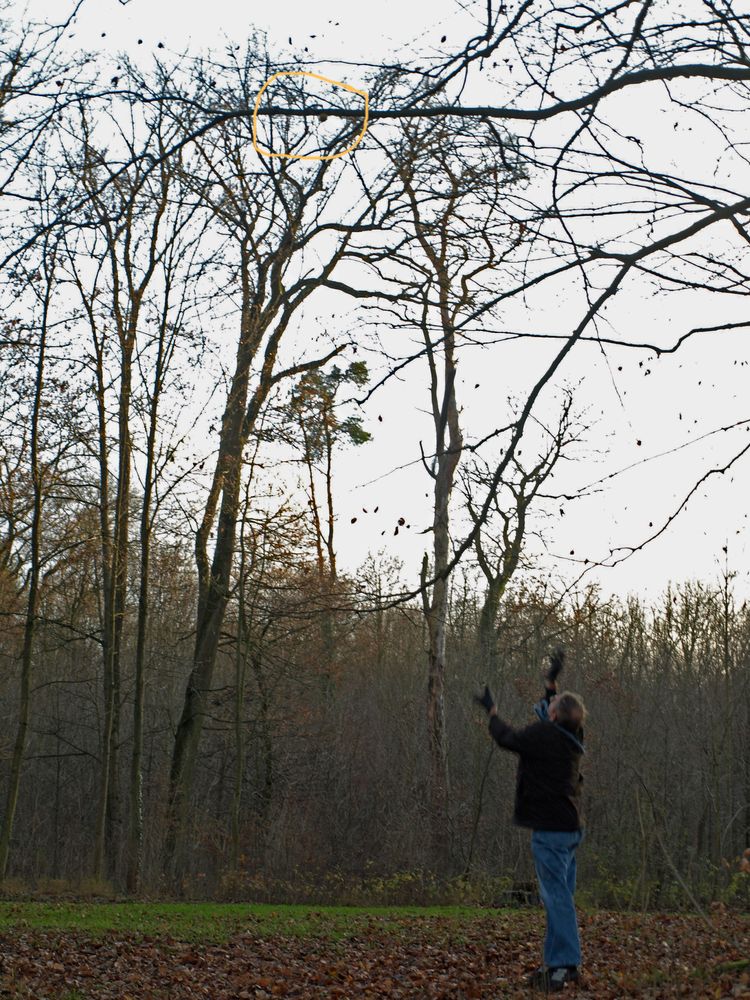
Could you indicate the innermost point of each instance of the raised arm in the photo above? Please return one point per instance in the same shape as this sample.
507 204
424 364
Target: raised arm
503 734
556 663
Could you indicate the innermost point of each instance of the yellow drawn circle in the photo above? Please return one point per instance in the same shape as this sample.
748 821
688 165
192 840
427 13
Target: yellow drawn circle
296 156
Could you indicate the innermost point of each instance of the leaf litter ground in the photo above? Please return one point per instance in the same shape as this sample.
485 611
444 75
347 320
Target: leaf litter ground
464 955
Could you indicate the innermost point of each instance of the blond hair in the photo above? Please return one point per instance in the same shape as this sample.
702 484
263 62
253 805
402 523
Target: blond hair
570 710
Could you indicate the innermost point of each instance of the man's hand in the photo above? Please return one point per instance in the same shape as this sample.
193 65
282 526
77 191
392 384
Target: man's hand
556 663
485 699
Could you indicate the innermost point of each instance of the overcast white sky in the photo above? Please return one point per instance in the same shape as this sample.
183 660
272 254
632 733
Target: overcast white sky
664 404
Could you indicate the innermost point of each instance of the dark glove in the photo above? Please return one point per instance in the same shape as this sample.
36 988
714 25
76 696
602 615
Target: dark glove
485 700
556 663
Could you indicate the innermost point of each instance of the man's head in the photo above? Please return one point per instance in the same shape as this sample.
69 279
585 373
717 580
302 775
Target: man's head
568 710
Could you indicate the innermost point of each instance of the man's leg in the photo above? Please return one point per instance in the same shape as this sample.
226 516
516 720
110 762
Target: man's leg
554 860
571 879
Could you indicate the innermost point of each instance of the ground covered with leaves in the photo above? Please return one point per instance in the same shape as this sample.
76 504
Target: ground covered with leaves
142 952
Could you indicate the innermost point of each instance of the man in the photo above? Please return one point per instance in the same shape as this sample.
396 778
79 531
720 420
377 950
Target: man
548 801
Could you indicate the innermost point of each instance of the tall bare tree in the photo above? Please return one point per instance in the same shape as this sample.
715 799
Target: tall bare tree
133 232
44 286
273 216
452 193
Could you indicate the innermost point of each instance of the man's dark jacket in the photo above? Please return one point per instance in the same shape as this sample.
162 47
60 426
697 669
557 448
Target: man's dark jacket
548 783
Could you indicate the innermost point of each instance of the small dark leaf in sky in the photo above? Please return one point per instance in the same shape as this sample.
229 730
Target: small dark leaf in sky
572 552
160 45
115 80
380 418
476 386
638 443
376 510
402 521
396 531
290 41
444 38
140 41
104 34
354 520
364 510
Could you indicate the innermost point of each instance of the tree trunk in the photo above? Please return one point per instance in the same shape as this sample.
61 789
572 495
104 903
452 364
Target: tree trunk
213 590
239 706
328 416
488 627
106 838
265 793
314 508
135 830
437 610
29 632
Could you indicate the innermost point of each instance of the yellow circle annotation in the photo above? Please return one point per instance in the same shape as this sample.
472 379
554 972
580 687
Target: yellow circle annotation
311 156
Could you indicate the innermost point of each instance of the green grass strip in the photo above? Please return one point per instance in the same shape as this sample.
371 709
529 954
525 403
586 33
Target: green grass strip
216 922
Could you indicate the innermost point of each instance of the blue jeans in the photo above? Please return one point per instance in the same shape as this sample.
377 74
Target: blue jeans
555 862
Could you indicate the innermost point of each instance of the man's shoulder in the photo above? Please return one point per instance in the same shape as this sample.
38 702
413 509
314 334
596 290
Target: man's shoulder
537 732
540 726
544 733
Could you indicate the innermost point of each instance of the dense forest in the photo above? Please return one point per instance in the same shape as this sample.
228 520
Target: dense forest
199 693
312 776
313 769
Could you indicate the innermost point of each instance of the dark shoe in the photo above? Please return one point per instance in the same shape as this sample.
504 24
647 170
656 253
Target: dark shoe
552 980
535 977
